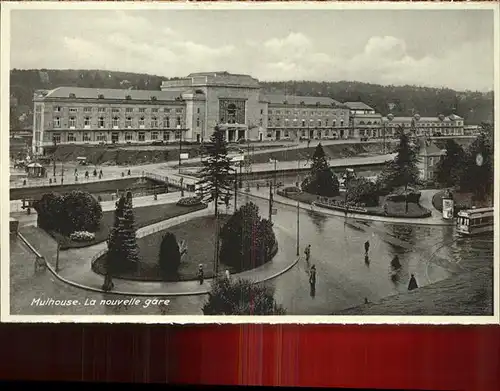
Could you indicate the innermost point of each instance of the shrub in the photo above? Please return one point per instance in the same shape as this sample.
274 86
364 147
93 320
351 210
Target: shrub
189 201
323 183
241 297
362 191
248 240
169 257
70 212
82 236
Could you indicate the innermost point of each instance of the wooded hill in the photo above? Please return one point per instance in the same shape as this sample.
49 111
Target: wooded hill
475 107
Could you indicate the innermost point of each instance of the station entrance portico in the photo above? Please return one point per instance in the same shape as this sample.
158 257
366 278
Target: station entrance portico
234 132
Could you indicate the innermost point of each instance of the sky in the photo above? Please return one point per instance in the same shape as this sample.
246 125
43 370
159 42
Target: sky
435 48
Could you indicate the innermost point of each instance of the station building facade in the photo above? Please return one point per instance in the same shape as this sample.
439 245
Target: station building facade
189 108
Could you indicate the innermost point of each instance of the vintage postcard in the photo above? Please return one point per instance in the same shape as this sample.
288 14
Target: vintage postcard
262 163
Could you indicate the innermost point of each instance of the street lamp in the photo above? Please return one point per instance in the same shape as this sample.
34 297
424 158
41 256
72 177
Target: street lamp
54 140
347 174
180 145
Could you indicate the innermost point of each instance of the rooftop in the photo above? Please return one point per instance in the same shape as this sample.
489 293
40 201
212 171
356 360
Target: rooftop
108 93
358 106
299 100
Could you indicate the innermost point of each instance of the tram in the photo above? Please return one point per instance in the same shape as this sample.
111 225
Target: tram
475 221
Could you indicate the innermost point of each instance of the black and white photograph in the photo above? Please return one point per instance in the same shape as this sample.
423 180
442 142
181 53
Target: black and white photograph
222 163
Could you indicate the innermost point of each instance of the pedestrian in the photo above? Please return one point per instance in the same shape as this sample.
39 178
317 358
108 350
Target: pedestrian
307 252
62 180
413 283
123 174
100 173
367 260
128 172
76 177
201 275
76 171
95 172
312 275
87 174
367 247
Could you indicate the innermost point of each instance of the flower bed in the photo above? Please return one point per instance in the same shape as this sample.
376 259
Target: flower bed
82 236
190 201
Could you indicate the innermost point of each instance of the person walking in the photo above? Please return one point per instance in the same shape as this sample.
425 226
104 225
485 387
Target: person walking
307 252
312 280
95 172
87 174
413 283
201 274
367 247
128 172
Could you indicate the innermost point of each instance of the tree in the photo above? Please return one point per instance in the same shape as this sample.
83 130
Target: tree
70 212
248 240
241 297
479 178
81 212
361 190
449 169
321 180
169 258
215 183
403 170
123 253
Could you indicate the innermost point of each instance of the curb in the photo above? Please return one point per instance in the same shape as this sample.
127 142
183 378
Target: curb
357 217
148 294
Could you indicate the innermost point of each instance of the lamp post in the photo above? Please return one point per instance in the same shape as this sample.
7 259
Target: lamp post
348 171
298 208
54 155
57 255
180 145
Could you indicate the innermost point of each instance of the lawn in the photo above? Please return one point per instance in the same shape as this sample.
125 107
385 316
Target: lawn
144 216
199 234
394 209
462 201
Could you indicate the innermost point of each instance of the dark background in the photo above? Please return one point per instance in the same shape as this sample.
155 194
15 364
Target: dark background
416 357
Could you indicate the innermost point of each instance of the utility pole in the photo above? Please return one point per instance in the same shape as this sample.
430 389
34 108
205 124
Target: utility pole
57 255
180 148
235 189
270 201
298 208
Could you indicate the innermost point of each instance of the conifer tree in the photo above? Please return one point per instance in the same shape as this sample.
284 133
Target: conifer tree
216 183
321 180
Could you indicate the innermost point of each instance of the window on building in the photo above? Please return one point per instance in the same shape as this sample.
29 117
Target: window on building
261 111
166 136
166 122
341 123
334 123
87 109
141 121
101 122
142 136
319 122
285 133
142 110
101 109
57 109
178 110
57 122
261 122
154 135
177 135
128 122
303 122
128 136
155 110
73 110
327 132
361 122
86 136
198 122
101 137
56 137
115 110
166 110
86 121
129 109
198 110
72 122
269 135
154 122
71 138
178 121
115 121
326 122
303 133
